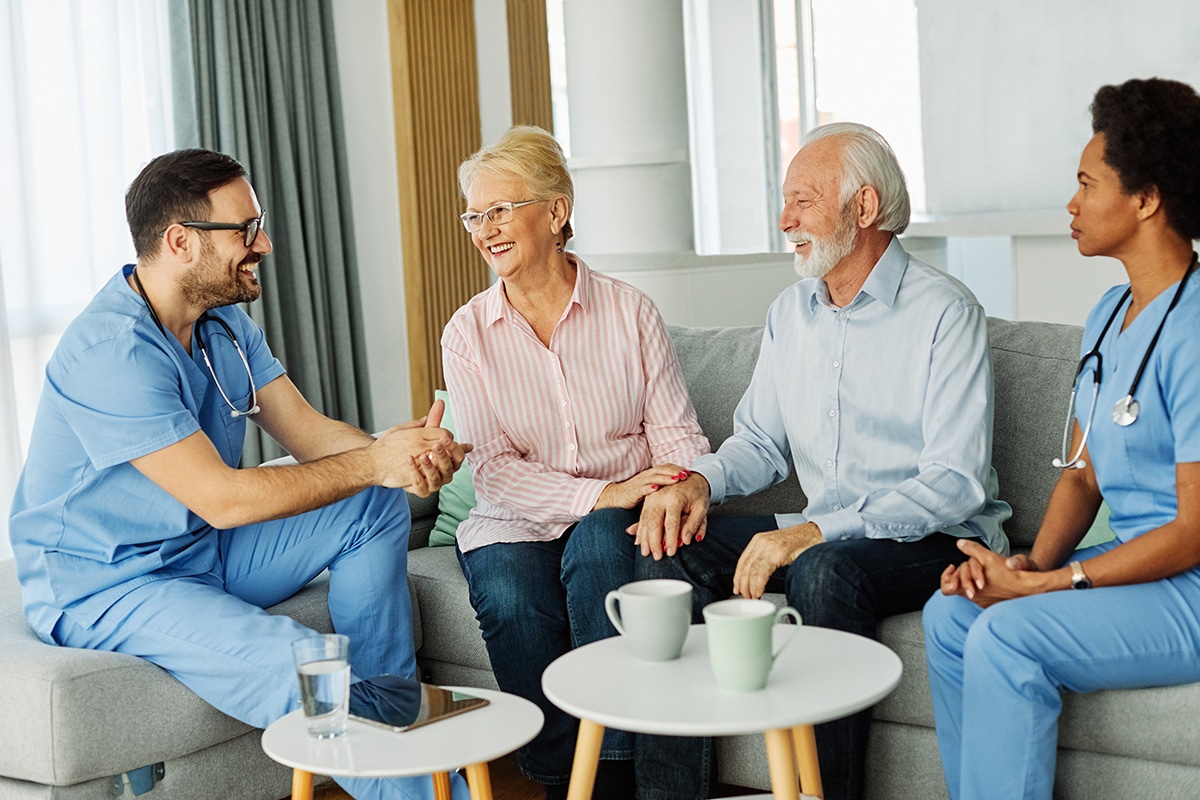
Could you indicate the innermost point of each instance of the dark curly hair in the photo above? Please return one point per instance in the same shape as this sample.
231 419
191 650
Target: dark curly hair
172 188
1152 138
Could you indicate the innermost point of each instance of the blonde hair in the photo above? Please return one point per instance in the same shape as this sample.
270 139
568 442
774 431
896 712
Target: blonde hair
530 154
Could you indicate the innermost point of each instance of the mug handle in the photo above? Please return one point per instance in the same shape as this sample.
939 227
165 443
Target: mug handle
610 606
780 615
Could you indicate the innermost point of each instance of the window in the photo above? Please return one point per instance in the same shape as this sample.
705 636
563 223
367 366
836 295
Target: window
84 104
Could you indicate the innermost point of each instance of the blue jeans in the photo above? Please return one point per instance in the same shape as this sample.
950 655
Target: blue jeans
847 585
537 600
210 631
998 674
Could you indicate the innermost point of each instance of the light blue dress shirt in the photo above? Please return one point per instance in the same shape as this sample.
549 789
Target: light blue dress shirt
884 405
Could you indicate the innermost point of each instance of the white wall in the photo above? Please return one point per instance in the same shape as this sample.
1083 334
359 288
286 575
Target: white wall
365 76
1006 84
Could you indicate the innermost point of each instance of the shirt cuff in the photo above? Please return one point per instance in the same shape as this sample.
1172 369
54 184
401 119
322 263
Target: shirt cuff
845 523
586 497
713 471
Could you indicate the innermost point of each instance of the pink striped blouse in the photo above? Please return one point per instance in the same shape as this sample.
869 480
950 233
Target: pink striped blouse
553 426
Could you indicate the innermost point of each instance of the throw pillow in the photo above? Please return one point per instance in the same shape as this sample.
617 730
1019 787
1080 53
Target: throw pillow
455 499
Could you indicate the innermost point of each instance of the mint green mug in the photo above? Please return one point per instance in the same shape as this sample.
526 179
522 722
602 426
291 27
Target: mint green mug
739 641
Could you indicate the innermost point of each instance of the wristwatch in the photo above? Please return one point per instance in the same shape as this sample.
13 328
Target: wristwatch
1079 579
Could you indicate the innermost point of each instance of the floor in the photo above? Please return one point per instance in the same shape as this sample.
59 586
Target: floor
509 784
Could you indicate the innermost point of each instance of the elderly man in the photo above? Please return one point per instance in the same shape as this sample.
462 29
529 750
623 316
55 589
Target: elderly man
135 531
874 381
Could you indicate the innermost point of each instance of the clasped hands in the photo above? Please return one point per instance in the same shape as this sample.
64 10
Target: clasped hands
419 456
986 577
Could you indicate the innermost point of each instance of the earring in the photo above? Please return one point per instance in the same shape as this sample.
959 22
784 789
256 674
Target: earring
559 246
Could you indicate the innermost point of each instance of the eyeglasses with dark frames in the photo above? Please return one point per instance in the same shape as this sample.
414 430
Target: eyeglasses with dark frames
497 214
249 229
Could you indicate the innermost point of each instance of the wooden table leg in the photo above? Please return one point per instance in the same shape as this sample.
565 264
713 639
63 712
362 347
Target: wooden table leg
782 764
587 759
806 758
480 781
302 785
441 786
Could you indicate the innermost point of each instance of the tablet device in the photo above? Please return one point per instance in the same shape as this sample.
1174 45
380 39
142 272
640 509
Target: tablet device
401 704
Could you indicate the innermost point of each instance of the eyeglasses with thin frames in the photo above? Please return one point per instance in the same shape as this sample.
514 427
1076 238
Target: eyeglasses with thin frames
249 229
497 215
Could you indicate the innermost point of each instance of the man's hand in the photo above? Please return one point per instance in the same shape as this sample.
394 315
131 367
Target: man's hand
419 456
672 517
628 494
767 552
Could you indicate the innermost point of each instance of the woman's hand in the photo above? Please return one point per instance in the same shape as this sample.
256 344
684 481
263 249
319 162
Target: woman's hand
987 578
628 494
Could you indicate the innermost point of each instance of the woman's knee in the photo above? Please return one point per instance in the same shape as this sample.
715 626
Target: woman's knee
599 541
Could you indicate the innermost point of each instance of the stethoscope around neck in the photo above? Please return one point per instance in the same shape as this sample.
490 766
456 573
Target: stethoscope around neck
1127 409
197 326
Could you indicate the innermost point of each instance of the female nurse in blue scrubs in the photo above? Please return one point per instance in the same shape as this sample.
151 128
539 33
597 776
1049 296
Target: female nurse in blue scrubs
1005 637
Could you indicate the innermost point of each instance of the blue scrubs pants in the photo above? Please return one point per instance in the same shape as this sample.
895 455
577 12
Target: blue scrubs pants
998 674
210 631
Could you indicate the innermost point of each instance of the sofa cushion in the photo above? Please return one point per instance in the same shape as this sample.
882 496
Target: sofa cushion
455 499
1034 364
718 364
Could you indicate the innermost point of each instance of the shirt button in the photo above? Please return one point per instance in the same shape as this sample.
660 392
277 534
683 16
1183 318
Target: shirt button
837 507
833 413
570 447
829 463
837 364
566 424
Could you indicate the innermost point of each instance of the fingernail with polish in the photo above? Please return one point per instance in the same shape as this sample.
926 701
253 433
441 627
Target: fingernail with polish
654 487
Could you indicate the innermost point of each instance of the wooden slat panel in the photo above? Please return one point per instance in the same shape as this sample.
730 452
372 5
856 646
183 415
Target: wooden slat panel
436 94
529 63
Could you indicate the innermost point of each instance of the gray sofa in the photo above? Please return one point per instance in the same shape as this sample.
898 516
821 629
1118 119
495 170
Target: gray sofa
83 721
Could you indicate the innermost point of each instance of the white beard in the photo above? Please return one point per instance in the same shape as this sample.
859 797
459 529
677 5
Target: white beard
825 251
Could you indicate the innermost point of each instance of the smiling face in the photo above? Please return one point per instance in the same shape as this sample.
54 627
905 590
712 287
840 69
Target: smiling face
812 215
226 270
526 243
1105 217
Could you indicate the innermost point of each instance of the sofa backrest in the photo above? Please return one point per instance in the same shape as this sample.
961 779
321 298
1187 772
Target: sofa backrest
1033 362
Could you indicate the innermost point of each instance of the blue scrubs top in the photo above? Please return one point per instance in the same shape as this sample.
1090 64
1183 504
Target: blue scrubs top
1135 465
86 526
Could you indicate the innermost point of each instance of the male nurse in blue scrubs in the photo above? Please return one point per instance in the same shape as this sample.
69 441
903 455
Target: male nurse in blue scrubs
133 528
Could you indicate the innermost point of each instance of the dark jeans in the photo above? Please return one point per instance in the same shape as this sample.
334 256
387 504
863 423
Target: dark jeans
537 600
848 585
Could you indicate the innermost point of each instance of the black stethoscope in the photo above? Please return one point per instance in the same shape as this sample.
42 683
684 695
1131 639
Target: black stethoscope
1126 410
207 317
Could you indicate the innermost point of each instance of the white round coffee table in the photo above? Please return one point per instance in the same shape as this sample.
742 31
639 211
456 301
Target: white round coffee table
822 675
468 740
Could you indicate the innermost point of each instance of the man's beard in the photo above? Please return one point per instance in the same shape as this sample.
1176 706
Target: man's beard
825 251
208 285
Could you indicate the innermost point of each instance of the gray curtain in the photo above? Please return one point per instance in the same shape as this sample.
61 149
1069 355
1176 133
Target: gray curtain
257 79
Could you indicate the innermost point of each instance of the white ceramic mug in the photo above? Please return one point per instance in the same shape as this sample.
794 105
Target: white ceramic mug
739 641
653 615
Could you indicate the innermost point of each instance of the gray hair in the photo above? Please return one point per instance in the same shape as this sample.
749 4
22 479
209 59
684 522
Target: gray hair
868 160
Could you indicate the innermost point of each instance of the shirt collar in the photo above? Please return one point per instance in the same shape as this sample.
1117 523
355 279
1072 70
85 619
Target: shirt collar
882 283
497 307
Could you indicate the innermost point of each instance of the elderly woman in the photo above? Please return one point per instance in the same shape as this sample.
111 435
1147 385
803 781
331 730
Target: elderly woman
566 382
1005 637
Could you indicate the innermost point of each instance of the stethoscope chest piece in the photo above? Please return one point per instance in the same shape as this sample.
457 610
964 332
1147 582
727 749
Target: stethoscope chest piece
1125 412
